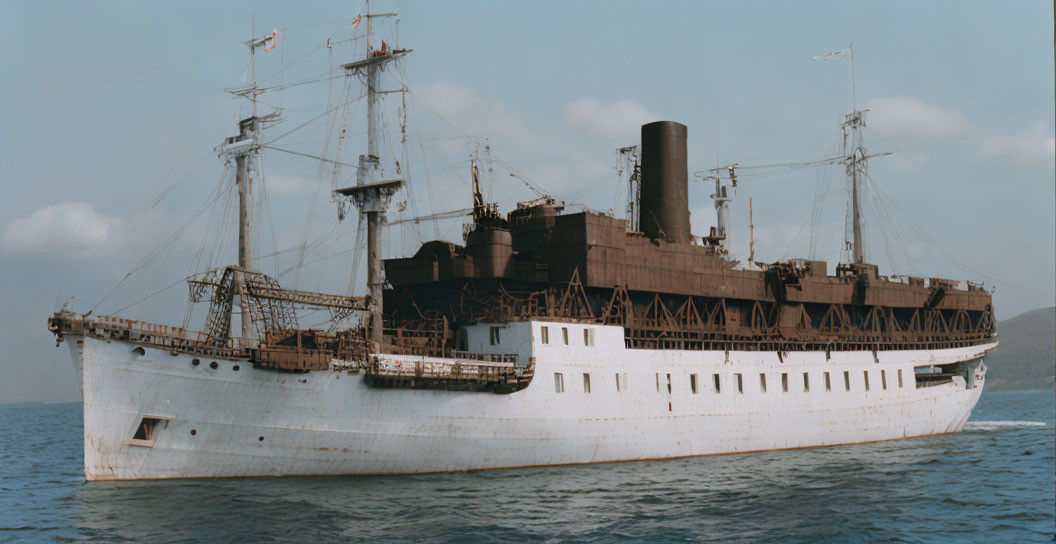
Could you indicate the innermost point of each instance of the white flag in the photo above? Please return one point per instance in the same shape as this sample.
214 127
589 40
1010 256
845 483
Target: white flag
269 44
835 55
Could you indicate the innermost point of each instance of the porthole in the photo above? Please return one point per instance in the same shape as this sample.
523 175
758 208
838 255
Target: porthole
260 439
235 368
213 365
195 362
193 432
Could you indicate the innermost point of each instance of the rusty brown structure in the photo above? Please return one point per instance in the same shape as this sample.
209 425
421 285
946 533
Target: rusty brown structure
668 289
665 287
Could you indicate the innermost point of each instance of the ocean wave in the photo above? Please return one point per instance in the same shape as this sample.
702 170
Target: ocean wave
999 425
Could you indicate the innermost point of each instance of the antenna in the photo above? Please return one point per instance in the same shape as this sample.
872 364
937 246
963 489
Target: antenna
854 92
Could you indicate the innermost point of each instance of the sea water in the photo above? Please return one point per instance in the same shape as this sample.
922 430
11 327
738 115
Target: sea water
991 483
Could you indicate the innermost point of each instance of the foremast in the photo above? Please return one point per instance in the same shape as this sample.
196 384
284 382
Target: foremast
244 149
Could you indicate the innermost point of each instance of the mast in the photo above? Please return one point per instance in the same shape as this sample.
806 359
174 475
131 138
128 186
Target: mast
374 215
628 158
856 165
751 233
722 207
372 194
244 149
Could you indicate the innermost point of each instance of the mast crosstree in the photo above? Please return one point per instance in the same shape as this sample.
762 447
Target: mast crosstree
244 149
372 193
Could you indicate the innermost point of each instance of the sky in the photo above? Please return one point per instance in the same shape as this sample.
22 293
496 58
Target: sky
111 192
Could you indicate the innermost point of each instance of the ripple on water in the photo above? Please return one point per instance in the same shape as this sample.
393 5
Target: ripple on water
994 479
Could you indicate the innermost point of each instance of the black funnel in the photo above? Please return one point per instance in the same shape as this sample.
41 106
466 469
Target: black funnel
664 208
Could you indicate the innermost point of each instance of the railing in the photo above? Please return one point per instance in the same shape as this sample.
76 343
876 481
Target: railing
771 340
488 357
152 334
500 377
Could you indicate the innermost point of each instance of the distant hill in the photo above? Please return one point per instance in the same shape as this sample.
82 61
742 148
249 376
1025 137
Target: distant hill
1026 357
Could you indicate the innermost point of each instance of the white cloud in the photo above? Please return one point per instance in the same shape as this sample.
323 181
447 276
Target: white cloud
480 117
621 118
285 185
70 228
904 118
1028 149
908 161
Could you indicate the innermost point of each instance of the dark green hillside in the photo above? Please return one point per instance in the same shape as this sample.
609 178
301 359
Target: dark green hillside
1026 358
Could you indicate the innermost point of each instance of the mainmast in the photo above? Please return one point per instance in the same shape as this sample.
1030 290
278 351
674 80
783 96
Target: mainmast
856 167
372 193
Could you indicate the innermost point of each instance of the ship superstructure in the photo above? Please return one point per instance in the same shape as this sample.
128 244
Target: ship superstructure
545 338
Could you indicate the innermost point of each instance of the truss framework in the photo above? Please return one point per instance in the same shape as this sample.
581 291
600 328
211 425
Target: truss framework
270 307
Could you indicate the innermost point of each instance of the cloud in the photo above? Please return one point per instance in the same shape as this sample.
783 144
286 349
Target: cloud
904 118
286 185
621 118
68 228
1028 149
907 161
478 116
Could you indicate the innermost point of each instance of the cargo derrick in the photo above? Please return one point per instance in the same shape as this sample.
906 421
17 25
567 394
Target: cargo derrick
668 289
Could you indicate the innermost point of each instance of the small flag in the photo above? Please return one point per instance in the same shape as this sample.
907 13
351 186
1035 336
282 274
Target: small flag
269 44
355 22
835 55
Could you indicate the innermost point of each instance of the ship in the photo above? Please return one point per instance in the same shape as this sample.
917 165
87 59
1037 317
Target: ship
548 337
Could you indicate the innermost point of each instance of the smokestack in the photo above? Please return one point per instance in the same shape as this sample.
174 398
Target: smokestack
664 209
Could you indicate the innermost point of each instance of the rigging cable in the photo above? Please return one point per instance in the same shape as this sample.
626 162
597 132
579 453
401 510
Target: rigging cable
315 193
165 245
938 247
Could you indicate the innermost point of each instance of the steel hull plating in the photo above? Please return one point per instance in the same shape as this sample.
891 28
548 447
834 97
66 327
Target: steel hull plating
225 422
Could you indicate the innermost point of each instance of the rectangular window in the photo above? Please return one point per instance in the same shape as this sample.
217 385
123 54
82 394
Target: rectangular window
145 429
718 386
544 333
784 382
883 379
586 382
762 382
693 383
828 382
900 378
559 383
564 333
740 384
617 382
866 374
657 382
847 380
588 337
494 335
806 382
668 384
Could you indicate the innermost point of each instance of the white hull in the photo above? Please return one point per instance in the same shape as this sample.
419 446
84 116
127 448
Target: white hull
253 422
